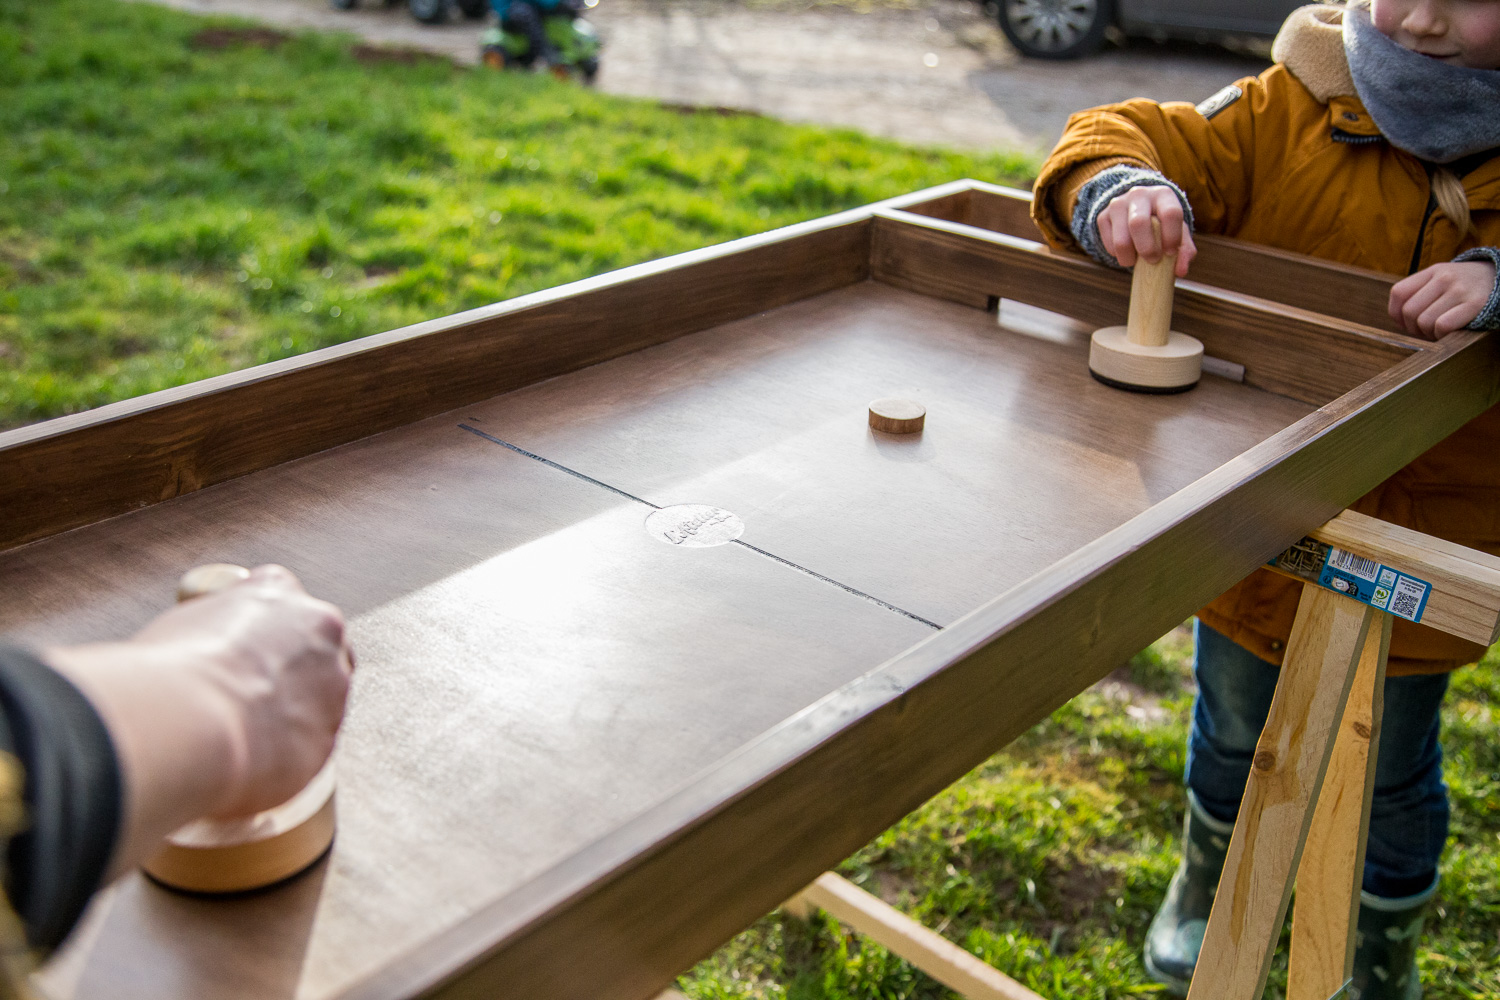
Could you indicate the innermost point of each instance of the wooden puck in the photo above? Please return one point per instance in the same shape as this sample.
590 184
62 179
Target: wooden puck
223 856
897 416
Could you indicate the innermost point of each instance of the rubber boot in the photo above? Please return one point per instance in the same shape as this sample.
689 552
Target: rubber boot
1176 933
1385 946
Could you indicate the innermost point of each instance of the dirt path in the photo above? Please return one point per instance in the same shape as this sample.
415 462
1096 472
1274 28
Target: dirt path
938 72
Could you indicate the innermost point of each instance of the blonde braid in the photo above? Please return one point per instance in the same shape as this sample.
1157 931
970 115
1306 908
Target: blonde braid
1448 192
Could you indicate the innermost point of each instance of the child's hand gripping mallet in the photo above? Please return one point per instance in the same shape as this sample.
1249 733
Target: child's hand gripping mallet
237 855
1146 355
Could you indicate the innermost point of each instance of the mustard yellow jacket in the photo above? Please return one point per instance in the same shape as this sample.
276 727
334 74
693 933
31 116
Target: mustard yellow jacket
1297 163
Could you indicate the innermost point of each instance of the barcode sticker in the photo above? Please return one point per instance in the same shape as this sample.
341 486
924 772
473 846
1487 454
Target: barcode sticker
1409 598
1365 569
1365 580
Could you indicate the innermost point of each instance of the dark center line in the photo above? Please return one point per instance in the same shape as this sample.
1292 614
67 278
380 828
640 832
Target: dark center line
842 586
560 468
753 548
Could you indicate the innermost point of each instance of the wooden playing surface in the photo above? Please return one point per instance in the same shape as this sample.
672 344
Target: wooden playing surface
565 734
535 668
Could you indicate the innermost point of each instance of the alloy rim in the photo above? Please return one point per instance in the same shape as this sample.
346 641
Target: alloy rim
1051 25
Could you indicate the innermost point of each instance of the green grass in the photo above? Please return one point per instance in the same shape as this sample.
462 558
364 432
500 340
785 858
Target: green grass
1049 859
170 211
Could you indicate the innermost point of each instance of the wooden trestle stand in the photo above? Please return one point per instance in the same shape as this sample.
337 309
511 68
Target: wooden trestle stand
1306 811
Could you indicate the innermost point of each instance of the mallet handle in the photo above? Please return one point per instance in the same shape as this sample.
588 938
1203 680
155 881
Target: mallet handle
1151 290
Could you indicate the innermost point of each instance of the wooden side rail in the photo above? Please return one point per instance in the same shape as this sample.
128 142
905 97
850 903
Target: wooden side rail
1293 352
1349 293
82 468
86 467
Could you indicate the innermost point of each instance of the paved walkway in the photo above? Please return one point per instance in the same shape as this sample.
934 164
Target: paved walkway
938 72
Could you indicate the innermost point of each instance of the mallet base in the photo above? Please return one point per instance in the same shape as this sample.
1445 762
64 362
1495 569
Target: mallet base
1172 367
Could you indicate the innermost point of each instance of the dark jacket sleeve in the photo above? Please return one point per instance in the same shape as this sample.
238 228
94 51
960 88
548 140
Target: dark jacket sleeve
72 796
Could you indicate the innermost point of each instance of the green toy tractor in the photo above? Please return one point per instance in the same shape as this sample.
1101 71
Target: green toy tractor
577 43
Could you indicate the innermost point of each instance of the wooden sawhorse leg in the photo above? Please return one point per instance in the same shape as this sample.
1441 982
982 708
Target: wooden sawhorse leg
1334 641
1333 862
971 978
963 973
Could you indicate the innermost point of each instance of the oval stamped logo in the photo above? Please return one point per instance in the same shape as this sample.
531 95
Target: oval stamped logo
694 525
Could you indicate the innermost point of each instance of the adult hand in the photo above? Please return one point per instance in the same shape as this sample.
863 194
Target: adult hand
1125 227
223 705
278 659
1442 298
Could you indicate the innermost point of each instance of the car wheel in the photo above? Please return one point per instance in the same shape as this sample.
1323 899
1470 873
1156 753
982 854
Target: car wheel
1056 29
431 11
474 9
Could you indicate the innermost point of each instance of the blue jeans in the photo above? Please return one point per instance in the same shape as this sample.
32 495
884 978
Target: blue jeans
1409 812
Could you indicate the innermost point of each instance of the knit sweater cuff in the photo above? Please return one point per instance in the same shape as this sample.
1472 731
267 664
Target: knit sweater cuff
1489 316
1104 188
1065 191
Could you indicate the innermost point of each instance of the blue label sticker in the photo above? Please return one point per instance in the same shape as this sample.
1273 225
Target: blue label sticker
1365 580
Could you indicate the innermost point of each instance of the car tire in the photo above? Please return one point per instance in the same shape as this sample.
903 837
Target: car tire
343 4
431 11
1056 29
474 9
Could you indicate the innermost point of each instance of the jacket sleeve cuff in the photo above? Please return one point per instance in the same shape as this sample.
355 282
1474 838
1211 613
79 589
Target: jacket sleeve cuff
1489 316
1103 188
1065 191
73 797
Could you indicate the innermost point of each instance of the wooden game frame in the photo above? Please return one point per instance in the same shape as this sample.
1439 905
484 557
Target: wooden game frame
620 918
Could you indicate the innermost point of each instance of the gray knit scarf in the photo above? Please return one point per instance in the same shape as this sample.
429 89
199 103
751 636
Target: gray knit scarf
1433 110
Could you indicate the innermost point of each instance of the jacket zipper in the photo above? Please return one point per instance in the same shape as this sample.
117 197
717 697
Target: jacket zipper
1416 254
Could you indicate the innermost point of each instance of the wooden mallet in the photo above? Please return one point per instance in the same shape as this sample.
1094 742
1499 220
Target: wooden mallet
252 852
1146 355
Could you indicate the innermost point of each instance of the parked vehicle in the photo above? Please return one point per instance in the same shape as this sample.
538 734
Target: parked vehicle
430 11
1067 29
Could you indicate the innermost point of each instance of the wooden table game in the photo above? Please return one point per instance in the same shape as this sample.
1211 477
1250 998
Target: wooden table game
596 731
